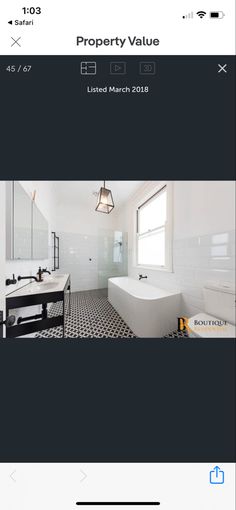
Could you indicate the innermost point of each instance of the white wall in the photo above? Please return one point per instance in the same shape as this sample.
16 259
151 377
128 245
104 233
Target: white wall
203 207
86 246
203 238
81 219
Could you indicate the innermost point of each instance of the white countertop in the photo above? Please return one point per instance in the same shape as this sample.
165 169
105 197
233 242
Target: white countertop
50 283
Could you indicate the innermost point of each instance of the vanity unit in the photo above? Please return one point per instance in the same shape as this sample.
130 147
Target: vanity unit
50 290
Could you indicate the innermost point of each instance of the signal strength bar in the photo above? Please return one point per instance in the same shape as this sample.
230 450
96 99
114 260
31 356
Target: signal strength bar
188 16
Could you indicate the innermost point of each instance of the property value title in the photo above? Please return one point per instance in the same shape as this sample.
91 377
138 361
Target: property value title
117 41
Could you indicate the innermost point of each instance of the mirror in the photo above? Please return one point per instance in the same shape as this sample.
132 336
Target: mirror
26 227
18 222
40 234
22 223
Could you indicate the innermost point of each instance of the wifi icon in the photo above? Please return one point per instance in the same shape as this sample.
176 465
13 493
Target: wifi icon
201 14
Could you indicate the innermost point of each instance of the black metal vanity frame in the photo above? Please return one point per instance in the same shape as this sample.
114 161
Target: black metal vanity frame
37 299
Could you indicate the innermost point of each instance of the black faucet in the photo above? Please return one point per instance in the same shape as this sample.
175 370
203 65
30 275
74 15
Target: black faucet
39 273
140 276
46 270
27 277
12 281
37 278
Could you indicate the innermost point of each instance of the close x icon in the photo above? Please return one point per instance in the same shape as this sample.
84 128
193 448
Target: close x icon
16 41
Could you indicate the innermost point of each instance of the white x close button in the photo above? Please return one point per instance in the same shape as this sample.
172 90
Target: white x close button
222 68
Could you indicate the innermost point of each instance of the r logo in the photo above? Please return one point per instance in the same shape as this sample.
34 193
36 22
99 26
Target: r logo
183 324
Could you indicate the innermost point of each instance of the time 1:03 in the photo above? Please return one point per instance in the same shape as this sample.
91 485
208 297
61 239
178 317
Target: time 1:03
31 10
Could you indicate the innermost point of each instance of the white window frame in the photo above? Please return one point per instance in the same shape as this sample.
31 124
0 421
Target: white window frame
168 227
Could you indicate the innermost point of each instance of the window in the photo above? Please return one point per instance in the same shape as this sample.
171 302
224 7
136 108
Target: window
153 239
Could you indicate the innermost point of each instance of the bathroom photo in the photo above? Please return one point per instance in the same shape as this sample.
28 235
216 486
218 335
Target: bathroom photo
117 259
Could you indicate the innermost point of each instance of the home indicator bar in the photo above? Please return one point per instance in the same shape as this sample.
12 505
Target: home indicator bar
119 503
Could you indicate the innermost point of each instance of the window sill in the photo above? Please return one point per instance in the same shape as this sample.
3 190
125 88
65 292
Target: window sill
155 268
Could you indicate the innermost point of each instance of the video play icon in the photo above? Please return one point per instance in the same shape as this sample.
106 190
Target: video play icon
117 67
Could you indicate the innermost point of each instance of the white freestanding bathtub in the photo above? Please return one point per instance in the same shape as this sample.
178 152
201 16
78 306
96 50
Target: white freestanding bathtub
148 310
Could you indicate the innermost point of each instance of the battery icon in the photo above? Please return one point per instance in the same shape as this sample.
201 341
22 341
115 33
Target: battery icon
217 14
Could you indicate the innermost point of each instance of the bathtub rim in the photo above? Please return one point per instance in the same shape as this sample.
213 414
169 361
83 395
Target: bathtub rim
169 293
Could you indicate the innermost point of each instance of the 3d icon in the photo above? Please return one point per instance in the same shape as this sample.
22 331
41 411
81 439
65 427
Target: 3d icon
217 476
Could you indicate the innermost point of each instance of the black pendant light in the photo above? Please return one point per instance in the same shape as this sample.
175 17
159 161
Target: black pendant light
105 202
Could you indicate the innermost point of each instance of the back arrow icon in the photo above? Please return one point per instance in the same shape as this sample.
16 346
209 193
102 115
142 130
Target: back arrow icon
12 475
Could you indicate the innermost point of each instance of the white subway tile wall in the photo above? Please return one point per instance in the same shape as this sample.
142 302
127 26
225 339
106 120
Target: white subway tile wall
92 259
196 261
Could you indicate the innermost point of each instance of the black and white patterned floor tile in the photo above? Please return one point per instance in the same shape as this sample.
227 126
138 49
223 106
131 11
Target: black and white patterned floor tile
92 316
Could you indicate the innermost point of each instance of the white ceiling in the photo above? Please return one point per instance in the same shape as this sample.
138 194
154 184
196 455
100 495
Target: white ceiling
74 192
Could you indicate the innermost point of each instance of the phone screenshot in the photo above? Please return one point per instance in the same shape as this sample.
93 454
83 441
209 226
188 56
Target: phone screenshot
117 255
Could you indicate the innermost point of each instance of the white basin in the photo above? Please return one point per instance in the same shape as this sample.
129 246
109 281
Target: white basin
50 284
47 285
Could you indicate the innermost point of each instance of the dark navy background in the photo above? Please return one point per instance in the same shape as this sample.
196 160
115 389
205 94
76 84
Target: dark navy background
183 129
117 400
